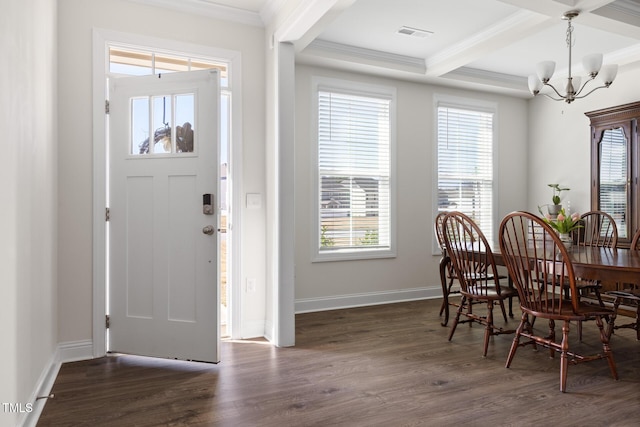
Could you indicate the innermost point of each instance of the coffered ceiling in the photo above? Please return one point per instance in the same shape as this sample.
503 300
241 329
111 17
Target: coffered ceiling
484 44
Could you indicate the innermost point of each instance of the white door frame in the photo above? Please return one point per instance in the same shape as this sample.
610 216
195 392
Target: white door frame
101 39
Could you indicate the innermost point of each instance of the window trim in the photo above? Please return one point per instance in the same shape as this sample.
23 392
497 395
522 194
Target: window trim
362 89
440 100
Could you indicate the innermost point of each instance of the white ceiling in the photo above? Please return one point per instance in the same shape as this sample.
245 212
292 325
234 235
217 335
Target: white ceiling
486 44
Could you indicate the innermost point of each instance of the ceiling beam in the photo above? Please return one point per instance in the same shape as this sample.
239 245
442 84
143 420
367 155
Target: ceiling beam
308 20
620 17
556 8
517 26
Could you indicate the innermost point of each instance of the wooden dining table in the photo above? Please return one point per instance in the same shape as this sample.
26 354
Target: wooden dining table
609 266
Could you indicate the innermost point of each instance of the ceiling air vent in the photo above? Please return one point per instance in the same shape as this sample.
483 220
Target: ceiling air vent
414 32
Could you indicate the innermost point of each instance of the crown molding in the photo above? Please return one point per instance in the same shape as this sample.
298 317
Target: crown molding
339 55
210 9
367 56
491 78
626 11
628 7
624 56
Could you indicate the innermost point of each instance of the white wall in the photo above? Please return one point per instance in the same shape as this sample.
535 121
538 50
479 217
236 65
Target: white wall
560 144
28 215
77 20
414 272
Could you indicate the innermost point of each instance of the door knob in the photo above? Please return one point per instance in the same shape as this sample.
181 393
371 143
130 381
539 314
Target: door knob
208 230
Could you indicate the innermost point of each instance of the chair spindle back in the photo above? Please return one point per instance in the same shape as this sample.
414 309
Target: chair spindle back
538 264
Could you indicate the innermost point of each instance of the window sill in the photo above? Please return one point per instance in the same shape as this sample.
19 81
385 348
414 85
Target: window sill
353 255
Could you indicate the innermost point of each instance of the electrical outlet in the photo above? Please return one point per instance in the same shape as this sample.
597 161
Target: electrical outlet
251 285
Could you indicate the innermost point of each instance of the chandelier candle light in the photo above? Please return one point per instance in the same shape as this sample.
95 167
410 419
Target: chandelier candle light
592 65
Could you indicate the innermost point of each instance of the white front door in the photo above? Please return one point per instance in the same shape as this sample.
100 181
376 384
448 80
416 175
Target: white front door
163 282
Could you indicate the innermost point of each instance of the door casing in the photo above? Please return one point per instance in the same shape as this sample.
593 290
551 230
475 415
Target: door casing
101 41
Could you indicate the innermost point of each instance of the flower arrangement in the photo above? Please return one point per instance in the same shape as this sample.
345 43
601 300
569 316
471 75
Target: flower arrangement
556 192
562 223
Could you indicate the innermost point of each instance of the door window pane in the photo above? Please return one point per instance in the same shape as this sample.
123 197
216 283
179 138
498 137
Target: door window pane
171 64
139 126
169 119
130 62
185 117
140 62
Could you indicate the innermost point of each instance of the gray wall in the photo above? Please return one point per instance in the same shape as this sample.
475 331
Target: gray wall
559 141
28 214
414 271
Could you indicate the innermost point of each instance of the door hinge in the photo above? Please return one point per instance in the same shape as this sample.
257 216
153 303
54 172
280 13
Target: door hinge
106 106
107 321
107 214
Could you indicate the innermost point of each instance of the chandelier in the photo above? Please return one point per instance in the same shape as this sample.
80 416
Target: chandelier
592 65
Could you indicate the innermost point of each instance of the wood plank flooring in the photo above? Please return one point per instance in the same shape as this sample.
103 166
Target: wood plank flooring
388 365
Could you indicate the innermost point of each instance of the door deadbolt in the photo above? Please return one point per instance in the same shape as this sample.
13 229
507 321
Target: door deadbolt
207 204
208 230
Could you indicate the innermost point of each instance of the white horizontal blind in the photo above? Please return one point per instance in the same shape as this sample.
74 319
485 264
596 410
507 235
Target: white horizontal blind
353 172
465 164
613 178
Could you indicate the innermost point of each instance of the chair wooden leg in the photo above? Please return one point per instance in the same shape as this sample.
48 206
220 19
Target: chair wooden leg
489 329
504 312
528 327
564 360
445 291
510 298
604 337
580 330
611 327
552 337
511 306
596 291
516 340
457 318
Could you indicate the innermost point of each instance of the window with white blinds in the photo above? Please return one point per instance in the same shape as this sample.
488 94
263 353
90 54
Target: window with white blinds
465 164
354 157
613 178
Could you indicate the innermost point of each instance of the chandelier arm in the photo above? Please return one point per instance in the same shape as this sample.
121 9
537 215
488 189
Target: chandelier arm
556 91
592 90
555 99
582 87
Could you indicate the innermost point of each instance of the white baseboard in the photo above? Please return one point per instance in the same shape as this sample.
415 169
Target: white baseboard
72 351
268 331
253 329
306 305
65 352
42 388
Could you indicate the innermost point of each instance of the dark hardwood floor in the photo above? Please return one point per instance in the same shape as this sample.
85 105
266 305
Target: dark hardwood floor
387 365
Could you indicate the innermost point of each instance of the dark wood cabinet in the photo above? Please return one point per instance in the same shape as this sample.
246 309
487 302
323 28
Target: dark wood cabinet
614 166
